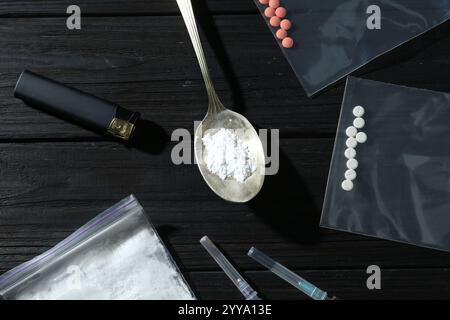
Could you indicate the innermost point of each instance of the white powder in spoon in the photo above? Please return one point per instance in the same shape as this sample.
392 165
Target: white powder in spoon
226 155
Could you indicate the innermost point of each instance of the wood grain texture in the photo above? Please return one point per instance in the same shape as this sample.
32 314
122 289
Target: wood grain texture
82 179
115 7
156 76
56 176
345 284
147 64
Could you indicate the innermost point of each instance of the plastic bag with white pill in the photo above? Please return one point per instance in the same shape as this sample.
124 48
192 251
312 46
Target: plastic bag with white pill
326 40
395 184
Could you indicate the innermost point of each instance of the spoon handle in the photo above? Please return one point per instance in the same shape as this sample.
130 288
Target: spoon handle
189 19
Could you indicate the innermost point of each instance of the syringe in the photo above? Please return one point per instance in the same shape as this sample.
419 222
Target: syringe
246 290
307 288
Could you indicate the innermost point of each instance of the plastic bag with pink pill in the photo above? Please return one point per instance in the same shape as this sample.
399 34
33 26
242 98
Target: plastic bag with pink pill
326 40
395 184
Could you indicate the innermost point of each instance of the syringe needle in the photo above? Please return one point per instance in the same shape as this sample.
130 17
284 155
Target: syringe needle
246 290
307 288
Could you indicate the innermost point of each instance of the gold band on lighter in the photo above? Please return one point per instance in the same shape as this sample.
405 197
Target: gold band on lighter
121 129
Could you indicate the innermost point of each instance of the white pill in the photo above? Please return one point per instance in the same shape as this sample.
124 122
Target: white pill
350 153
361 137
352 164
350 174
359 123
347 185
358 111
351 142
351 131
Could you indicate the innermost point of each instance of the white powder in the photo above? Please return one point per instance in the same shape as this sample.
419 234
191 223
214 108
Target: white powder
227 156
125 268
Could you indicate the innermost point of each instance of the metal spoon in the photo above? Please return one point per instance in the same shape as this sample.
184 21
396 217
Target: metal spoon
219 117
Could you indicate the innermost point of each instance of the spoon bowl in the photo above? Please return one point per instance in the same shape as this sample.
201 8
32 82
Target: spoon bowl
230 189
219 117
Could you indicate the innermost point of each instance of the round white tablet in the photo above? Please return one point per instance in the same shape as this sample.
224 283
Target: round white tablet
358 111
350 174
347 185
351 142
359 123
351 131
350 153
361 137
352 164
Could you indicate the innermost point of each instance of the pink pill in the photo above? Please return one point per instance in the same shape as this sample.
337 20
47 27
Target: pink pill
264 1
275 21
269 12
281 12
286 24
288 43
274 3
281 34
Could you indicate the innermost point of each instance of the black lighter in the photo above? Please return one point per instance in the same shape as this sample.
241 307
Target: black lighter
76 106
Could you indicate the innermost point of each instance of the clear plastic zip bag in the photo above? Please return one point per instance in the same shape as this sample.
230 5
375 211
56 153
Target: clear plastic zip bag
334 38
116 256
402 187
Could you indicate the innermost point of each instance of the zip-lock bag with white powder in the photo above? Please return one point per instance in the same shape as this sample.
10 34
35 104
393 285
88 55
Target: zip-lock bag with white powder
116 256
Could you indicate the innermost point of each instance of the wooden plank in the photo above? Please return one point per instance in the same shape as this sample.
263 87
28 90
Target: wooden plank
345 284
171 105
328 254
427 284
85 178
109 59
16 248
117 7
50 189
160 76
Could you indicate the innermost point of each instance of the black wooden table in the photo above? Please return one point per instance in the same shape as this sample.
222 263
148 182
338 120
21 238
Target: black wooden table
55 176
